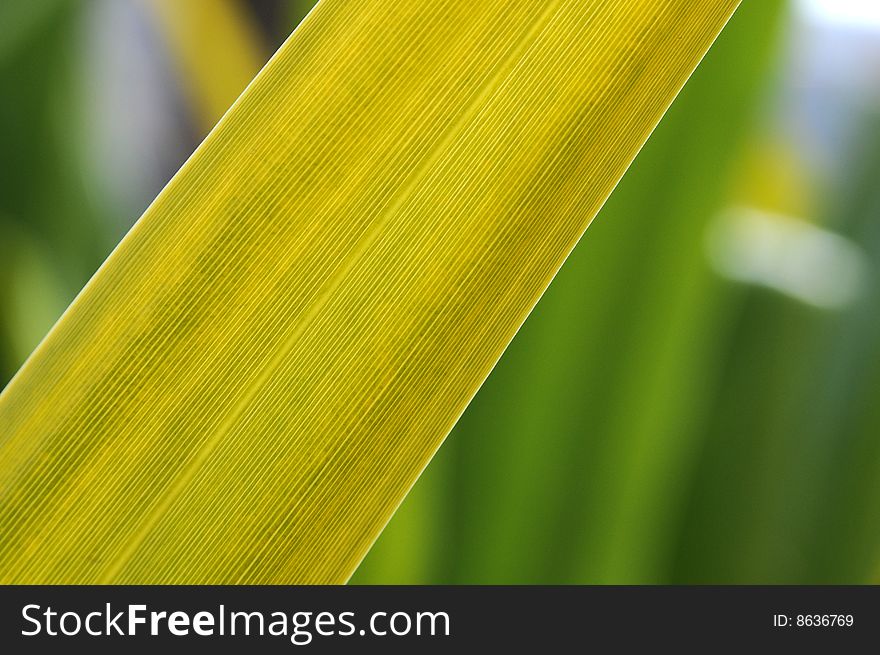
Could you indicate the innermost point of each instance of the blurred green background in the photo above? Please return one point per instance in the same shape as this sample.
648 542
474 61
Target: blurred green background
696 398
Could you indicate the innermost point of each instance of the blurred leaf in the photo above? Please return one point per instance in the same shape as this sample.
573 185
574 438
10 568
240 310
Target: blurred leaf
787 490
21 21
42 196
834 485
771 175
33 296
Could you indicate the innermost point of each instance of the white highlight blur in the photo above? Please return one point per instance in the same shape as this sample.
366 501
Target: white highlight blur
856 13
788 255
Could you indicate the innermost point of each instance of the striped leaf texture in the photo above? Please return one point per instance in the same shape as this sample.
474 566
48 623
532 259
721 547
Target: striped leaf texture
250 384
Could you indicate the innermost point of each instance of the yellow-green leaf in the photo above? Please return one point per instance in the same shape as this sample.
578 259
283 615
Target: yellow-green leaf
250 384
